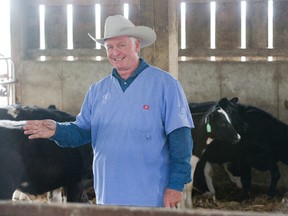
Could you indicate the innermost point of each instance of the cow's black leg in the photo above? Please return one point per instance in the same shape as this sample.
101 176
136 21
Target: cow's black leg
199 179
10 173
245 180
78 192
275 176
8 186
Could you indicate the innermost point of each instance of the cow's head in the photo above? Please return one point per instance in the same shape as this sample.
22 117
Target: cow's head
218 126
231 108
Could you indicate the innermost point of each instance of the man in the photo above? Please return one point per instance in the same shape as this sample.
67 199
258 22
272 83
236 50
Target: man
138 121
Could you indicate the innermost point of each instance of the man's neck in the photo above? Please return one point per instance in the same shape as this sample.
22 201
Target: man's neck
125 74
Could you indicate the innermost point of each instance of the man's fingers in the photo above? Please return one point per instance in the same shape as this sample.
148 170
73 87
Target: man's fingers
172 198
34 136
39 128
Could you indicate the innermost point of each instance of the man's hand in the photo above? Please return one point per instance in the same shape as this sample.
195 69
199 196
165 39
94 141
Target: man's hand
39 128
172 198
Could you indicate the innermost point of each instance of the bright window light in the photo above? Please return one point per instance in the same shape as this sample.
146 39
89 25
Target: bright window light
270 58
5 42
98 24
42 58
243 58
70 26
70 58
183 58
270 24
42 26
183 25
98 58
243 24
213 25
126 10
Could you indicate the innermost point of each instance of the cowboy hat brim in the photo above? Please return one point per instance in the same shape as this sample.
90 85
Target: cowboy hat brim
145 34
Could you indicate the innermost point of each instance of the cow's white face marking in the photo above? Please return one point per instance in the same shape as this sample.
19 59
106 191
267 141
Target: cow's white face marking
12 111
228 119
225 114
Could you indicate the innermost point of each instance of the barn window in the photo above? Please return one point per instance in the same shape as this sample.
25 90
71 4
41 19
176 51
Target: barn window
212 24
126 10
70 27
270 24
243 24
183 25
239 30
97 24
7 74
221 30
42 26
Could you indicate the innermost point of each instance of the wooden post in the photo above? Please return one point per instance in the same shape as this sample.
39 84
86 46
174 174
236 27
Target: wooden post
162 16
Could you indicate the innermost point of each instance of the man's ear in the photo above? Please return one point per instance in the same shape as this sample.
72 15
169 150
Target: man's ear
137 45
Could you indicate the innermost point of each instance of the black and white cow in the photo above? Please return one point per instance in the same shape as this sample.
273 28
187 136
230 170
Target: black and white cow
20 112
262 146
38 166
213 124
200 182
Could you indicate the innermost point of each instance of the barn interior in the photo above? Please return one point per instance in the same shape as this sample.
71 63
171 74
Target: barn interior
216 49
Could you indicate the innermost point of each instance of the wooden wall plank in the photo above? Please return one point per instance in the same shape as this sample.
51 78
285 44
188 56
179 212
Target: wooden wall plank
257 24
56 27
228 22
198 25
83 23
280 24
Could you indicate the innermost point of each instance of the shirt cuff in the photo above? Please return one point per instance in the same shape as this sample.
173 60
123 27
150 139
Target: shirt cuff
177 182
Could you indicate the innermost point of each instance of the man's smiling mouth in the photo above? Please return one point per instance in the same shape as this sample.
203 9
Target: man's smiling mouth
118 59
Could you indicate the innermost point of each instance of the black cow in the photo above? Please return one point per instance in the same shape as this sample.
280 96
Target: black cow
39 165
262 145
213 124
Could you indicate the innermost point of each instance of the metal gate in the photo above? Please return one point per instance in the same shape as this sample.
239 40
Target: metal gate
7 81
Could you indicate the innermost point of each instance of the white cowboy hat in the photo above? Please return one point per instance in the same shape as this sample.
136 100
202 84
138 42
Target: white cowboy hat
120 26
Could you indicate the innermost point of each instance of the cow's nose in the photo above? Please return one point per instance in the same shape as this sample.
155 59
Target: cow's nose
237 139
238 136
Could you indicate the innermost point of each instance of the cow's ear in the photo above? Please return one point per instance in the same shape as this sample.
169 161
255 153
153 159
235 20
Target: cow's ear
223 102
234 100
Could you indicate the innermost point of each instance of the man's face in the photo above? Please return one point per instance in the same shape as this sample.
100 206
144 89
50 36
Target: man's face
122 52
